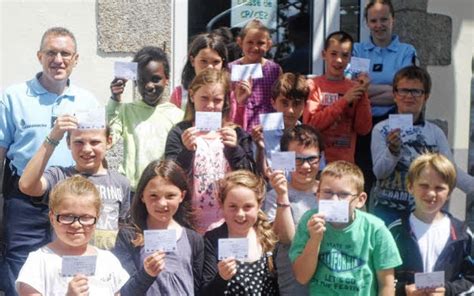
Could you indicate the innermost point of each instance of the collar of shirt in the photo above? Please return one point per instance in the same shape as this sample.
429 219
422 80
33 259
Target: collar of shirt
393 46
37 88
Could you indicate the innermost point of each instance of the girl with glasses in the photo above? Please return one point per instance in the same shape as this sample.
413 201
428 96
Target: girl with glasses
74 208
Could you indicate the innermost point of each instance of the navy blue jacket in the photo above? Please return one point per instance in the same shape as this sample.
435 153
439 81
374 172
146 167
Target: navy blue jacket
456 259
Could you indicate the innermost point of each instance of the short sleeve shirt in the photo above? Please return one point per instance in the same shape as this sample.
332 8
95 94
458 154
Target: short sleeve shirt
350 257
27 114
385 62
114 192
42 271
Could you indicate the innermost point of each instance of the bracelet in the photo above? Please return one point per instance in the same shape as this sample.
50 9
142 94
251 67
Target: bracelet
283 205
51 142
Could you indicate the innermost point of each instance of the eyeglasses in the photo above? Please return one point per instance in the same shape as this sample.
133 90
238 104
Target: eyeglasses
65 55
414 92
327 194
70 219
311 159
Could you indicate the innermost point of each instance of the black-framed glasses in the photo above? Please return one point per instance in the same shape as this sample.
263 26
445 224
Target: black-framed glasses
70 219
414 92
327 194
65 55
310 159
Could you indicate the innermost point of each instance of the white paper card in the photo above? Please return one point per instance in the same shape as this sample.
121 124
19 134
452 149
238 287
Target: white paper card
272 121
335 210
72 265
401 121
208 121
284 161
429 279
244 72
359 65
126 70
160 240
92 119
237 248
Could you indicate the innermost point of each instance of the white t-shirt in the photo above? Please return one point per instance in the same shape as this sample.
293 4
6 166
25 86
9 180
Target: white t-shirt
432 239
42 271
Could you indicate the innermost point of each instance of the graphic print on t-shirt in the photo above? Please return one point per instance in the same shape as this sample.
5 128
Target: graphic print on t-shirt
393 188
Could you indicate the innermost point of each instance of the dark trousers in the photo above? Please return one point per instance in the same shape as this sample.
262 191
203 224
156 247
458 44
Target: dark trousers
26 229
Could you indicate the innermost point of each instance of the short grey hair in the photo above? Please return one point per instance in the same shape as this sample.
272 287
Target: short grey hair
57 31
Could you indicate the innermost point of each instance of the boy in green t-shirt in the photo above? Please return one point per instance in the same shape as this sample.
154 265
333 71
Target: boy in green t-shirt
353 258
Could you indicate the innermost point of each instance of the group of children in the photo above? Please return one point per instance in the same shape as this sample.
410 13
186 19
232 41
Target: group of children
212 184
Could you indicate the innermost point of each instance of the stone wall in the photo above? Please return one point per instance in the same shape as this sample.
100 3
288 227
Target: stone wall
418 27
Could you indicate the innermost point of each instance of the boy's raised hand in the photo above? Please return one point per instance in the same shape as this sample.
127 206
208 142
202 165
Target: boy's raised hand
316 227
364 80
78 286
228 136
243 90
394 141
155 263
63 124
188 137
257 136
279 184
354 93
227 268
117 87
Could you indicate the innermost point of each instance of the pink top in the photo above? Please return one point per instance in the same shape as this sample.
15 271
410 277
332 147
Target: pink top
259 102
209 166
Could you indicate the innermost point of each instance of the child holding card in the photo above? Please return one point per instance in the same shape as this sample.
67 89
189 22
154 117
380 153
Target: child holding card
207 50
289 94
74 208
241 196
386 54
393 150
252 97
143 125
338 107
207 155
88 142
162 202
430 239
288 202
343 258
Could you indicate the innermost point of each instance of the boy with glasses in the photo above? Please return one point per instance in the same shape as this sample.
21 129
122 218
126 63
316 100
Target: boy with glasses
357 257
290 200
393 149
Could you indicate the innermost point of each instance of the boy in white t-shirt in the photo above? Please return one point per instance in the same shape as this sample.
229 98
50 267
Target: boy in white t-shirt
430 239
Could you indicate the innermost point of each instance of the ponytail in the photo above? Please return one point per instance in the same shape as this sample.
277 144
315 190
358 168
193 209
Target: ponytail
266 237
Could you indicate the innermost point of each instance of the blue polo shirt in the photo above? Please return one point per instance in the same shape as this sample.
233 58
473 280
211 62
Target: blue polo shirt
27 114
391 58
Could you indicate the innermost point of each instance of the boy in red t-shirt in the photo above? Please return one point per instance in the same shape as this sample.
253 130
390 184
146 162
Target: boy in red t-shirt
338 107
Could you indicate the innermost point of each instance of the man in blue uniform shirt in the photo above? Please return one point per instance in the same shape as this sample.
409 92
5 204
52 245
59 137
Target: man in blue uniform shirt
27 114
